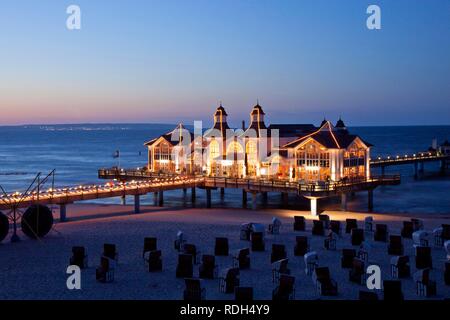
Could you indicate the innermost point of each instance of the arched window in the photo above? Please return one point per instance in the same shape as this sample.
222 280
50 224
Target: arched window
214 149
235 147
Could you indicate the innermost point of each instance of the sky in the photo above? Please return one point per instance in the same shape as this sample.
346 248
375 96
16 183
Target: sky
168 61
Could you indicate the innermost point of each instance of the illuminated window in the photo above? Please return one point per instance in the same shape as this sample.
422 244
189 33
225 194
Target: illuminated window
251 151
214 149
235 147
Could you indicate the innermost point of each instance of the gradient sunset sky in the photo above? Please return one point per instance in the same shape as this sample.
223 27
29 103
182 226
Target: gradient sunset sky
169 61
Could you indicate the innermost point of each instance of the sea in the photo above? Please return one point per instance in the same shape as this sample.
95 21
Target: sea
77 151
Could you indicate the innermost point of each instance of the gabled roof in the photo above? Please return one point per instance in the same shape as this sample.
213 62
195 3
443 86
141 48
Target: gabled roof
178 132
328 138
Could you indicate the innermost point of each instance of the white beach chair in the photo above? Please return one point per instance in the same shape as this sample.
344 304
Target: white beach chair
447 248
180 241
368 224
420 238
437 235
363 251
274 227
311 262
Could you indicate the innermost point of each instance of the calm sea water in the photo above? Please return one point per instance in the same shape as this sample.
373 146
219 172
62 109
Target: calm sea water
77 151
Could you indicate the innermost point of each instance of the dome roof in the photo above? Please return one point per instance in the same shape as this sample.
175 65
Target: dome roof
340 123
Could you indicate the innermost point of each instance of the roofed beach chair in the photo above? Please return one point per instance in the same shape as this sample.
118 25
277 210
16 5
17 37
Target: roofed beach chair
447 248
330 241
274 227
257 239
110 251
368 295
420 238
221 248
285 289
242 259
279 267
424 285
191 249
299 223
395 246
347 258
400 267
423 258
392 290
245 231
150 244
105 272
335 226
243 294
441 234
325 219
357 273
229 280
357 236
154 261
363 251
407 229
325 285
278 252
311 262
318 228
194 290
79 257
447 273
180 241
350 224
381 232
184 267
368 224
301 246
417 224
208 269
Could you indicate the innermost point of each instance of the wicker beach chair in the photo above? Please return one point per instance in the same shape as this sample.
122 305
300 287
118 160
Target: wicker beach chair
299 223
208 269
184 267
347 258
221 248
229 280
285 290
395 246
79 257
193 290
325 285
350 224
242 259
278 252
301 246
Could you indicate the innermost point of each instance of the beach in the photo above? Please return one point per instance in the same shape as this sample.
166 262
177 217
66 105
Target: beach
36 269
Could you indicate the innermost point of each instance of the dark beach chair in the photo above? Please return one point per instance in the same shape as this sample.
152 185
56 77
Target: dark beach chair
392 290
257 239
357 236
229 280
79 257
104 273
243 294
110 251
381 232
368 296
417 224
357 273
424 285
423 258
350 224
447 273
325 285
279 267
154 261
191 249
407 230
285 289
325 219
301 246
400 267
242 259
330 241
149 245
221 247
395 246
347 258
193 290
318 228
278 252
208 269
335 226
184 267
299 223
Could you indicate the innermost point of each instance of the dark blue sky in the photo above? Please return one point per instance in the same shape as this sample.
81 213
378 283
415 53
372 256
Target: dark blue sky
167 61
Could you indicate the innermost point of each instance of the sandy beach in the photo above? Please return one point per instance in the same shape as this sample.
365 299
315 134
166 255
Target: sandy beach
37 269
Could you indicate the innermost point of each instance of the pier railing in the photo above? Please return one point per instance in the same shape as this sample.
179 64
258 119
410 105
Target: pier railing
405 159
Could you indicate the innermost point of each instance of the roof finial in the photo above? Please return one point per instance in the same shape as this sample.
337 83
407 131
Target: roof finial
220 103
257 101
